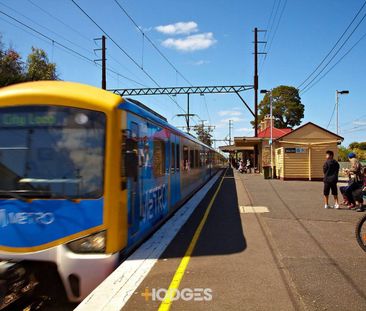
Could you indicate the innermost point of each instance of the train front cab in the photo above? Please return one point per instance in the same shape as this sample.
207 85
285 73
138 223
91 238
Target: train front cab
61 204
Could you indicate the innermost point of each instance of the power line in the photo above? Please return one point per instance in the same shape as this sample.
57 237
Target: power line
334 46
275 32
145 36
334 65
109 37
269 20
68 49
336 53
55 33
59 20
122 50
331 117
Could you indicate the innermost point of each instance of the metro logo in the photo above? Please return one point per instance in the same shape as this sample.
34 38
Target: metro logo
23 218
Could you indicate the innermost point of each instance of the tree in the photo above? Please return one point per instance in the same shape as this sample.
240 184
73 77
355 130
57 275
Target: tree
11 67
204 134
288 110
362 145
354 145
343 153
39 67
14 70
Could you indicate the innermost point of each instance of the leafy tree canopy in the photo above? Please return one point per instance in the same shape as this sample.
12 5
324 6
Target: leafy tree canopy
288 111
14 70
204 134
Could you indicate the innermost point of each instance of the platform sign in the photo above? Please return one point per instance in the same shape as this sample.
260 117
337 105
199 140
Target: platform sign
295 150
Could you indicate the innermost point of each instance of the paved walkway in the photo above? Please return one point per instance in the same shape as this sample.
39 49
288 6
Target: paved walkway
298 256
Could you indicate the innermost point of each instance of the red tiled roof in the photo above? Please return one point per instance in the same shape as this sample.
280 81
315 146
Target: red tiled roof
276 133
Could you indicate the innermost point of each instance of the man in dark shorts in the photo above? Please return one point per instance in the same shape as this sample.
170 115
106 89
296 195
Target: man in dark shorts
331 170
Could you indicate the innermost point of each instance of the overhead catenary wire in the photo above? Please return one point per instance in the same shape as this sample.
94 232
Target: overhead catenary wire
46 28
334 65
59 20
274 33
334 46
122 50
332 115
61 45
145 36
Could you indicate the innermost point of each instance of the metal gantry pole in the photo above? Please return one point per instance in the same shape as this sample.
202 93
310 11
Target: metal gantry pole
337 116
104 65
271 129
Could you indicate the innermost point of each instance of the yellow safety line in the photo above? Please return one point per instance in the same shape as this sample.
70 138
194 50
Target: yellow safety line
178 276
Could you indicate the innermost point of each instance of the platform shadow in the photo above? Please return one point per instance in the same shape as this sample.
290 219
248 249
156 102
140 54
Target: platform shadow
222 233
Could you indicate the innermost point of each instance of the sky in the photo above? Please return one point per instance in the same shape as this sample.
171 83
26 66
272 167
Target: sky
210 43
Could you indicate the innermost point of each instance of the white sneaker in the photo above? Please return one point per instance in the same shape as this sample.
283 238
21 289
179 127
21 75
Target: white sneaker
326 206
336 206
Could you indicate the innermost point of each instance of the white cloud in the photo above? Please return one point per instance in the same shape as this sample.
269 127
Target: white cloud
191 43
244 129
229 113
200 62
234 119
359 122
181 28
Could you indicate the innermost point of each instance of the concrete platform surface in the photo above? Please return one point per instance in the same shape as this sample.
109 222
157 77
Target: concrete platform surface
266 245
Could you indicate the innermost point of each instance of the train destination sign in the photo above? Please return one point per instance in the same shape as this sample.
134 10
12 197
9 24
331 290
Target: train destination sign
28 120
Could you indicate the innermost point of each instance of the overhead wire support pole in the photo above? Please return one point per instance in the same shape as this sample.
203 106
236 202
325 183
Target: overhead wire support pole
256 86
103 60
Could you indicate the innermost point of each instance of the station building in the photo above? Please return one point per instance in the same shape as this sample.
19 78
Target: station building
298 154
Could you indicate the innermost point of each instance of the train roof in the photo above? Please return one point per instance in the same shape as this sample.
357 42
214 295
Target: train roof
139 109
88 97
55 92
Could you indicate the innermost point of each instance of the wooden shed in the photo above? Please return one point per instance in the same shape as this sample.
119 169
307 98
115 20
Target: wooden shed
300 154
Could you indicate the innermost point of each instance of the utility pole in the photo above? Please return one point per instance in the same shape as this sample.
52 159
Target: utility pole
255 83
103 60
230 129
337 106
104 64
187 118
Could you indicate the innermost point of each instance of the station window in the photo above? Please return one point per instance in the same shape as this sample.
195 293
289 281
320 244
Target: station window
172 162
159 158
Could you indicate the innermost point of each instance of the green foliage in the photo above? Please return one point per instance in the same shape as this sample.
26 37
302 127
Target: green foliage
353 145
343 153
288 110
362 146
14 70
204 134
11 67
39 67
359 148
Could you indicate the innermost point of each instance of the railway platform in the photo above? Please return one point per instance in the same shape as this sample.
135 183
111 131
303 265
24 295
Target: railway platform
250 244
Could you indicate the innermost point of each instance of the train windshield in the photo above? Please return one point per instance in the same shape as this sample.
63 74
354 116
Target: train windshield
51 152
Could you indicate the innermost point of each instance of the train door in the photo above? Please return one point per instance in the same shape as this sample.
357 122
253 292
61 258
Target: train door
174 170
134 212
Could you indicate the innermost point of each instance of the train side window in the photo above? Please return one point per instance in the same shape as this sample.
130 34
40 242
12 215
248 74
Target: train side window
196 159
173 158
159 158
185 158
129 158
191 158
178 157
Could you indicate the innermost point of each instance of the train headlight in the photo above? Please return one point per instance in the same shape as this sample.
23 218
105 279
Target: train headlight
94 243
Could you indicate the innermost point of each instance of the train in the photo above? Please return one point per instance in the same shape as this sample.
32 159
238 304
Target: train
85 176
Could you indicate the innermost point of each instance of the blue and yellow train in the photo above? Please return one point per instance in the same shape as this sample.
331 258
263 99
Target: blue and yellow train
84 177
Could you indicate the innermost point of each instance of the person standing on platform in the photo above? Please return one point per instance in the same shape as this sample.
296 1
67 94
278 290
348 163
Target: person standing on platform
331 171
